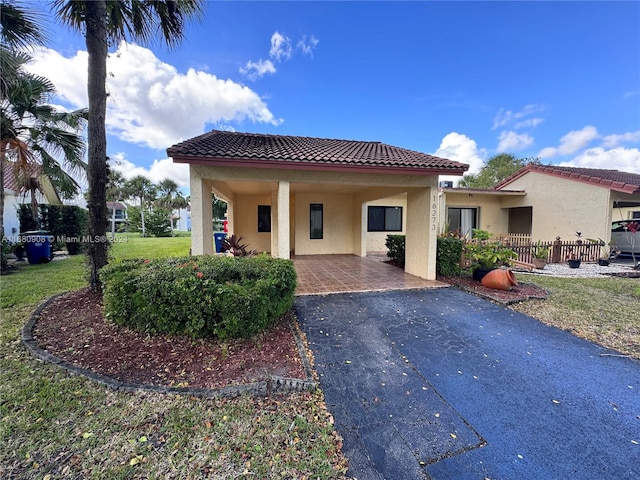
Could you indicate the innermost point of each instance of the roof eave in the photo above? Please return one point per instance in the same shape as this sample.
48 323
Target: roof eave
479 191
301 165
621 187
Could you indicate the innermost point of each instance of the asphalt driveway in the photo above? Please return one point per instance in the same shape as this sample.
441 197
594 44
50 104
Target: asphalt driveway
441 384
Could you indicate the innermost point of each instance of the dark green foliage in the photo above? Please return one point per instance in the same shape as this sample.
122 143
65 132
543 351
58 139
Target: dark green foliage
496 169
5 248
157 223
64 222
395 245
25 216
207 296
448 256
74 221
234 245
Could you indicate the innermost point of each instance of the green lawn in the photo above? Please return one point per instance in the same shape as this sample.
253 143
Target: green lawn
603 310
54 425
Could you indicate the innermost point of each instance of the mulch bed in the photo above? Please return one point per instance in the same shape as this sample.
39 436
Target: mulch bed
519 293
73 328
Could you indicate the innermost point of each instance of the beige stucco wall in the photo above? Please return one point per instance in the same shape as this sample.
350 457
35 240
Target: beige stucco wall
337 214
343 194
491 215
246 221
562 207
625 213
375 241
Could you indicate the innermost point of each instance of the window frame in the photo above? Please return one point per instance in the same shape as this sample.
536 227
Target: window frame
314 208
476 218
267 228
384 208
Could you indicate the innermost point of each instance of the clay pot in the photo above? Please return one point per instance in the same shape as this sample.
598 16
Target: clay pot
499 279
480 272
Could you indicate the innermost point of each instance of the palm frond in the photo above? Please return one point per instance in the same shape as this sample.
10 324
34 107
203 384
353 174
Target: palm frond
20 27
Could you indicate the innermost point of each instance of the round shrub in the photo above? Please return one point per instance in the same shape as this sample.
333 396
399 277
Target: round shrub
206 296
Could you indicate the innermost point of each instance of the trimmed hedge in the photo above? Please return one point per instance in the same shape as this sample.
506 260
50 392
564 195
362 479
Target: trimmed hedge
396 247
448 256
207 296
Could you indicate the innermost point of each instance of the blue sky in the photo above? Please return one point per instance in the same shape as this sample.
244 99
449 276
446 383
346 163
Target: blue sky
462 80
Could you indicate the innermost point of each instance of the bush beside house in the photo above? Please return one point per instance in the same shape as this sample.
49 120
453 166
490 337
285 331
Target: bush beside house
448 256
208 296
61 221
449 251
396 249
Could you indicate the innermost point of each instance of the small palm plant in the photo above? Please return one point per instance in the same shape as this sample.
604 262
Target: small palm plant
234 245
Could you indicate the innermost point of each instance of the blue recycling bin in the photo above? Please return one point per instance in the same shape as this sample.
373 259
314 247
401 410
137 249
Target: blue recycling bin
38 246
218 239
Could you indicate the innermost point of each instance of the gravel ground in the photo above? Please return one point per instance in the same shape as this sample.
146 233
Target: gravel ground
585 270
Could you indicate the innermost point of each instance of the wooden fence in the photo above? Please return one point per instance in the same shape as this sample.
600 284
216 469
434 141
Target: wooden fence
559 251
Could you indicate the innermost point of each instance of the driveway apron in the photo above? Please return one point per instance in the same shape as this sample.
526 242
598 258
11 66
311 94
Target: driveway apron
442 384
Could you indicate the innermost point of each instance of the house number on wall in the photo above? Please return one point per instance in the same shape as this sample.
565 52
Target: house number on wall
434 213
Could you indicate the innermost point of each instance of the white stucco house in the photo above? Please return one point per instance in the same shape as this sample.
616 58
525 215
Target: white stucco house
291 195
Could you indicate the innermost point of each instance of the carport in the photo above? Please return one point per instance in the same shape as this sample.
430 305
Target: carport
323 274
291 195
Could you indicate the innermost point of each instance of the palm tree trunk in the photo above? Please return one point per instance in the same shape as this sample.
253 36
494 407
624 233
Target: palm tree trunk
96 39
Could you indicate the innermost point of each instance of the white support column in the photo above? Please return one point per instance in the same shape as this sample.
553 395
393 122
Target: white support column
359 228
422 229
284 220
201 215
230 219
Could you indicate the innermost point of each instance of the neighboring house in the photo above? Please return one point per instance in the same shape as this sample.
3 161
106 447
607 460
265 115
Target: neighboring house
545 202
300 195
119 220
182 219
13 197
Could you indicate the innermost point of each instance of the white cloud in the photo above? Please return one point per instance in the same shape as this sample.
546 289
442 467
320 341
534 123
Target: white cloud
280 47
281 50
460 148
571 142
150 102
512 141
623 159
509 117
614 140
529 123
158 171
255 70
307 45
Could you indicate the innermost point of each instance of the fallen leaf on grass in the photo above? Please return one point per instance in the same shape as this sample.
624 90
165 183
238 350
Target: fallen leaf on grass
136 460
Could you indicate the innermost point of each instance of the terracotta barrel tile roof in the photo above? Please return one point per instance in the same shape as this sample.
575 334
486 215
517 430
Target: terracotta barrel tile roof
15 183
625 182
269 149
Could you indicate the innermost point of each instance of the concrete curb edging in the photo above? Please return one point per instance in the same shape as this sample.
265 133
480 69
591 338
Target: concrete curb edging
273 384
